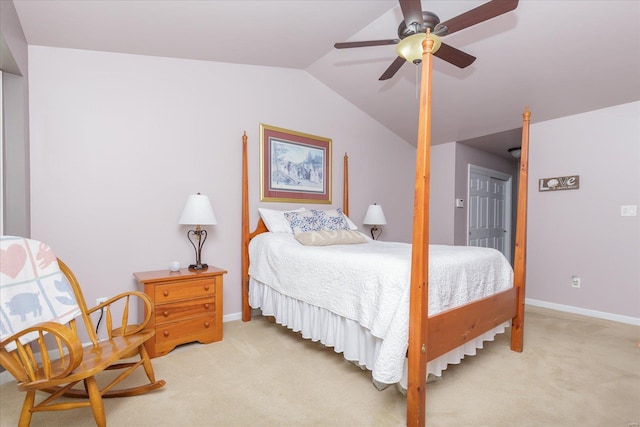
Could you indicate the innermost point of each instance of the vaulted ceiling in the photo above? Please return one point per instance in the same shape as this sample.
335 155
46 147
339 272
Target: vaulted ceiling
558 57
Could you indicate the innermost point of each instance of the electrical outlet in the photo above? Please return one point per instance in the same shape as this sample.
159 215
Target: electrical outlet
100 300
575 281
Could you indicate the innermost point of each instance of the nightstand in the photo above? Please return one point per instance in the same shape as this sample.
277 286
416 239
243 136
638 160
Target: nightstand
187 304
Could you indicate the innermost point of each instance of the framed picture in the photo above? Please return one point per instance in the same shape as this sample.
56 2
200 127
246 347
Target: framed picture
294 166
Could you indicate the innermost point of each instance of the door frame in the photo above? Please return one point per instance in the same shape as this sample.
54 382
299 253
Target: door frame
507 202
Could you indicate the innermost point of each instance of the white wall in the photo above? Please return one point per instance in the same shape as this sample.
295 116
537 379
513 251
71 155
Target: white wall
580 232
573 232
442 194
119 141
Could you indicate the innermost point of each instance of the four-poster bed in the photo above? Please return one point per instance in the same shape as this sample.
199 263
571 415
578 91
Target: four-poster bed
429 336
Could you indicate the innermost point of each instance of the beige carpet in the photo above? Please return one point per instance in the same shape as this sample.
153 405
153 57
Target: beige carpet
575 371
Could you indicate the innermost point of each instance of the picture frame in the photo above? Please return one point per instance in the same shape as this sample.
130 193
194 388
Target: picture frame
295 167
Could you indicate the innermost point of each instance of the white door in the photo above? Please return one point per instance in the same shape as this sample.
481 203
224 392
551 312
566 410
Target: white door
489 210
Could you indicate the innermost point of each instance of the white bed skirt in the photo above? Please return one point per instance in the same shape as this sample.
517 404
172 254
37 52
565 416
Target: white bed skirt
346 336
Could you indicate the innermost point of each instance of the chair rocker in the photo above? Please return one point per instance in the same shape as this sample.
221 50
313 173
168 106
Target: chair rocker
39 341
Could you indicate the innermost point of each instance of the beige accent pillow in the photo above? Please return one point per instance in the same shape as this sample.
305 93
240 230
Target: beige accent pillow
327 237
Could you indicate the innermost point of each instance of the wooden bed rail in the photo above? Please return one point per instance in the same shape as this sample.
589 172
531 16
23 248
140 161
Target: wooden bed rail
452 328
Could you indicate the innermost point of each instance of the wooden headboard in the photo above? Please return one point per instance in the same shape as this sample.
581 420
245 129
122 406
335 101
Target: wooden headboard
247 235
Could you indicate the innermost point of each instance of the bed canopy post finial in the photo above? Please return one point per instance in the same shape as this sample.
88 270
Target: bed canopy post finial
520 258
246 310
418 306
345 186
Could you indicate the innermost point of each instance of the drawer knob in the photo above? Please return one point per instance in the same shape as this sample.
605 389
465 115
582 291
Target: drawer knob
206 306
206 287
165 333
165 313
165 293
206 324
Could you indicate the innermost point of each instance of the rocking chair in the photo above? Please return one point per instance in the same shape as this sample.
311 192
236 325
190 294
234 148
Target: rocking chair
41 296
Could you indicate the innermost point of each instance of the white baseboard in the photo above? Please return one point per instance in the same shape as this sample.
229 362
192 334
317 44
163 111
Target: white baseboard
585 312
231 317
238 316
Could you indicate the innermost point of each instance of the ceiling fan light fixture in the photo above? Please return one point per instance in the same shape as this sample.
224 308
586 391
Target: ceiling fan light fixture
410 48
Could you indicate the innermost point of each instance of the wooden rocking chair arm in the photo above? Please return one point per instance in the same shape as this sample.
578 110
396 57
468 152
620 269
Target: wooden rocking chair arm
21 362
148 309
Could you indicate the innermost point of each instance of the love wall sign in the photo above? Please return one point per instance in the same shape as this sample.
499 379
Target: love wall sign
559 183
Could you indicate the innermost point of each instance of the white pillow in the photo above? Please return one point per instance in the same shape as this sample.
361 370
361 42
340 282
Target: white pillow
275 220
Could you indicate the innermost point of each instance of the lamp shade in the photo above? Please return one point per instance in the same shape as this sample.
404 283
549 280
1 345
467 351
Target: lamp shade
374 216
198 211
410 48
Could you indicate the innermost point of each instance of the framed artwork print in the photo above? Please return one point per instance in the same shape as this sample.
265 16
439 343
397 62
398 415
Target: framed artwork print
294 166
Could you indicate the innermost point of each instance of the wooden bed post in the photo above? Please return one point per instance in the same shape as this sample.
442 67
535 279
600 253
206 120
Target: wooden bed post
345 186
246 310
419 299
520 258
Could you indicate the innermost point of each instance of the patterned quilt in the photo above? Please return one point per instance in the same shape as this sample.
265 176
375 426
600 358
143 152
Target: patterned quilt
32 287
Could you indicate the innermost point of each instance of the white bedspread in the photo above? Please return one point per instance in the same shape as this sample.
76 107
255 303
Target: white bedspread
368 283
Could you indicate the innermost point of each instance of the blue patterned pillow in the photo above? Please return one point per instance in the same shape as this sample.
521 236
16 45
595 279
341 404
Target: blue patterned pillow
331 220
302 222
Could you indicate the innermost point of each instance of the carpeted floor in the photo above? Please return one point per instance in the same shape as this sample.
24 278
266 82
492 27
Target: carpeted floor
574 371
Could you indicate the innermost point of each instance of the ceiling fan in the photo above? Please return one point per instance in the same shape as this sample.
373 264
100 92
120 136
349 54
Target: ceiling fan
417 22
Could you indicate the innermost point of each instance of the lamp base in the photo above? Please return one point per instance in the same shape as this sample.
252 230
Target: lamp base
374 230
198 267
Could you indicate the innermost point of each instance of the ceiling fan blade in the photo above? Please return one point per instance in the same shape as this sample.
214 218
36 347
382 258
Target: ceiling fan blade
346 45
475 16
454 56
393 68
412 12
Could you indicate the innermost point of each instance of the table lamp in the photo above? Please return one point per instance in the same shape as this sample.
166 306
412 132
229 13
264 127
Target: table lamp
375 217
197 211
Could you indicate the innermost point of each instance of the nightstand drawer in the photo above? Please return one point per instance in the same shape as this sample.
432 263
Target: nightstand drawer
184 290
202 329
185 309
